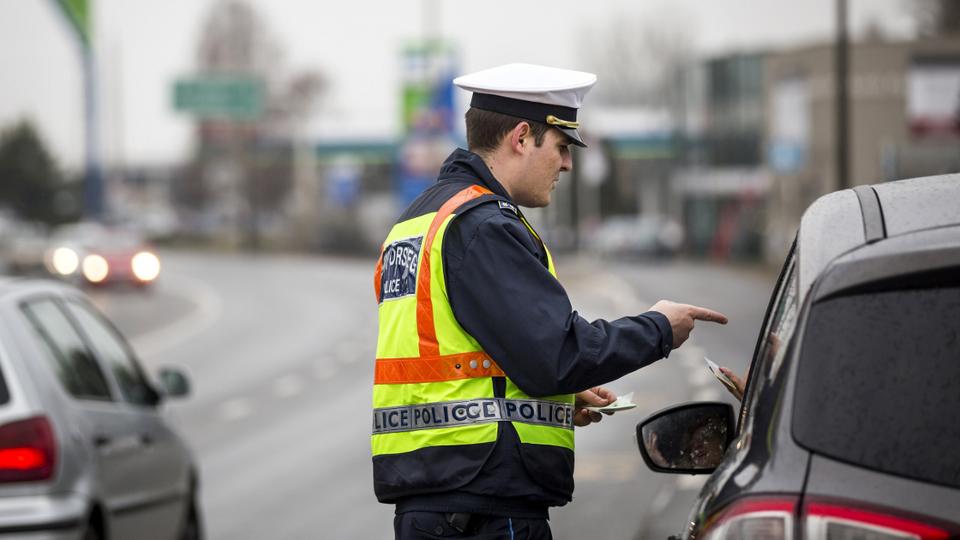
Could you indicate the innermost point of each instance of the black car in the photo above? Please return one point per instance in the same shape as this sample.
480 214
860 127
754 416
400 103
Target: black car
850 423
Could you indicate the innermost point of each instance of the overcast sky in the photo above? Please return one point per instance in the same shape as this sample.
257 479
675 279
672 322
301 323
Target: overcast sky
143 46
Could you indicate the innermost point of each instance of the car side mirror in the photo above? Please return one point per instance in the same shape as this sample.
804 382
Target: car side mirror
691 438
174 383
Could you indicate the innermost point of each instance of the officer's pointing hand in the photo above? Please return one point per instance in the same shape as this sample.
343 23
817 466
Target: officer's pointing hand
683 316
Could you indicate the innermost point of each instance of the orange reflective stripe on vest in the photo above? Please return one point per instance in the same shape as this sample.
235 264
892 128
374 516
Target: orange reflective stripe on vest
427 330
435 369
377 274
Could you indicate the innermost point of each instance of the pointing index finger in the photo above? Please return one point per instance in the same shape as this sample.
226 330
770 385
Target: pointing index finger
704 314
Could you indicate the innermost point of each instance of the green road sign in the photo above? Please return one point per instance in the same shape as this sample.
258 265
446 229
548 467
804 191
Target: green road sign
222 97
78 14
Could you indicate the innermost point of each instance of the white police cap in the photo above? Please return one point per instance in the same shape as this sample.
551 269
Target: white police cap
539 93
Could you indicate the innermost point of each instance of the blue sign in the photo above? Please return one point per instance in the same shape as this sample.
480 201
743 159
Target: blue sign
787 157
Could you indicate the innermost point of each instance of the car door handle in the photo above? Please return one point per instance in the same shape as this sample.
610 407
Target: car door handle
108 444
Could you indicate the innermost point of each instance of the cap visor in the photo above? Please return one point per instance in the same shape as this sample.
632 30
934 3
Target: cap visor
574 136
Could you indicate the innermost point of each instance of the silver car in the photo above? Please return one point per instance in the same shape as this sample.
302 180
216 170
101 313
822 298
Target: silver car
85 452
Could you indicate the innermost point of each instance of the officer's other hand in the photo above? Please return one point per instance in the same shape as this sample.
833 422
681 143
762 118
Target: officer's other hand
597 396
682 317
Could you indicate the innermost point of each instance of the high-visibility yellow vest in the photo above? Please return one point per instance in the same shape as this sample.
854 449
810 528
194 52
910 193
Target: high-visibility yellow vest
435 412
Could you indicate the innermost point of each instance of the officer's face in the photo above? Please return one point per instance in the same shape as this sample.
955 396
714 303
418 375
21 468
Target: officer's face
543 167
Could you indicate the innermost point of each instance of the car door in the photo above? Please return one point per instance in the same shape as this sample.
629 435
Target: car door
101 432
157 486
748 466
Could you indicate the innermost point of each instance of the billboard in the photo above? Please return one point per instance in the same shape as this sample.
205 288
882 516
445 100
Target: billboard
427 108
790 125
933 97
428 71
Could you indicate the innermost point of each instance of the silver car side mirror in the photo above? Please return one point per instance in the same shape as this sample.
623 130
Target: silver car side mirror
174 383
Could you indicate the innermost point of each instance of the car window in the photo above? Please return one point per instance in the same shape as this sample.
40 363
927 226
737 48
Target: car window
771 349
115 353
878 381
65 352
4 391
783 321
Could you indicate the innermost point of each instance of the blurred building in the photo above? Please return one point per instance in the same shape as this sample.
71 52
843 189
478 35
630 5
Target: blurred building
624 171
639 146
904 121
356 195
141 198
698 163
720 183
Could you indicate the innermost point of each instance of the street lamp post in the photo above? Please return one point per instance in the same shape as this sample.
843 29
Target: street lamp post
93 179
843 98
78 14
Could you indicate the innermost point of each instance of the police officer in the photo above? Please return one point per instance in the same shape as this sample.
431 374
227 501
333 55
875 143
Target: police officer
483 368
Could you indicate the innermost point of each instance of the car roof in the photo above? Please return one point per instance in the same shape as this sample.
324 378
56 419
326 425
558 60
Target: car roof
845 221
18 286
923 203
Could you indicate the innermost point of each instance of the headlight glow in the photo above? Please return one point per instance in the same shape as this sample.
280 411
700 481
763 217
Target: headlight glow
146 266
65 261
95 268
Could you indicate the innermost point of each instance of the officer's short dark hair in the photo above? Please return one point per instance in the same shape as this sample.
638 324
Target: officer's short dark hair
485 129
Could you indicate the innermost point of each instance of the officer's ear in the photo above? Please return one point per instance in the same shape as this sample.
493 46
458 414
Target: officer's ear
519 136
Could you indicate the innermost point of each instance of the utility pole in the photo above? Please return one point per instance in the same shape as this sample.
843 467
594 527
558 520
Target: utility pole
93 177
78 14
842 50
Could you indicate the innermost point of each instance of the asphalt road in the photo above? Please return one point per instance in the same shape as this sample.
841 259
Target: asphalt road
280 352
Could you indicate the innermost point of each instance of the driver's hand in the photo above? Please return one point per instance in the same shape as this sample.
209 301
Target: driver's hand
737 381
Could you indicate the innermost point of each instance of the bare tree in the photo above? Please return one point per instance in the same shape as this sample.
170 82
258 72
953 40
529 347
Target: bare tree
639 58
235 40
245 166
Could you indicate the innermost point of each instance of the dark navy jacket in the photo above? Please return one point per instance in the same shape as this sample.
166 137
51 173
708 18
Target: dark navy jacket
502 294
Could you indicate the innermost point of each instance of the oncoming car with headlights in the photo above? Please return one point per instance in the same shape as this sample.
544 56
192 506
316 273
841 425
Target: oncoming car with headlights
94 254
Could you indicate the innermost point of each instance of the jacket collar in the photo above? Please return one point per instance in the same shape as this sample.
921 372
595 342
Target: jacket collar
463 165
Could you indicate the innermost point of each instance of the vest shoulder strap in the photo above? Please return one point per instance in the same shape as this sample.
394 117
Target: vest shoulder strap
506 206
508 209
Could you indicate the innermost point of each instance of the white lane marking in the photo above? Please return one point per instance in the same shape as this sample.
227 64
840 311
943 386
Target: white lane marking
607 467
691 355
323 369
235 409
620 293
287 386
690 482
663 497
207 311
701 377
706 394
